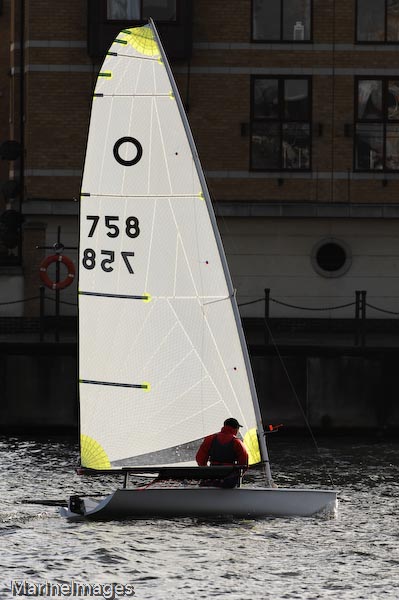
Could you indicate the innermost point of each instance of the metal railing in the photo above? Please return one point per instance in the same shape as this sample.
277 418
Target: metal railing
360 311
360 315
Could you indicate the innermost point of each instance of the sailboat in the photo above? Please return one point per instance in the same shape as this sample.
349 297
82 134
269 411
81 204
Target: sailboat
162 355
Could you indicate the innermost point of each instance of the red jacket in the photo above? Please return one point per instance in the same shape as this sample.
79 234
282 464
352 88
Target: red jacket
225 436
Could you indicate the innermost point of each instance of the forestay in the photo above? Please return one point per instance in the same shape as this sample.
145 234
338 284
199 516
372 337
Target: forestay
162 360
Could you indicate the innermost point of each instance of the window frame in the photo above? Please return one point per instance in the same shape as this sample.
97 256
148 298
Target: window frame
373 42
281 39
384 122
280 121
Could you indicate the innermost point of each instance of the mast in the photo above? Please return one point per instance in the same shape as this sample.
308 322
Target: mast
201 176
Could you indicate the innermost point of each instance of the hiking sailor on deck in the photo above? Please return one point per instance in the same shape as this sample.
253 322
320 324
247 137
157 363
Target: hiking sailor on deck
223 448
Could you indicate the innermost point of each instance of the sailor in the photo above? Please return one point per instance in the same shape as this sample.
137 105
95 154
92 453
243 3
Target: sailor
224 448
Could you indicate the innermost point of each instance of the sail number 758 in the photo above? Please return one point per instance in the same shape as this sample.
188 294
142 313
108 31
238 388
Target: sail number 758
130 227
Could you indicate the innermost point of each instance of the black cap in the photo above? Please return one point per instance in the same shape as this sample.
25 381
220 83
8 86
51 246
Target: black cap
232 423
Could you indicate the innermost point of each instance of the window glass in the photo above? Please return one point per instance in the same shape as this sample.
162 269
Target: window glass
266 99
281 20
392 147
162 10
370 99
369 146
280 129
266 19
296 146
371 20
296 20
120 10
393 20
265 146
377 127
393 100
296 101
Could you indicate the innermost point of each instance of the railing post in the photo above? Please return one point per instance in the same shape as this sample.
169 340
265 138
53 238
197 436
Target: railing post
357 315
363 322
267 312
57 310
41 319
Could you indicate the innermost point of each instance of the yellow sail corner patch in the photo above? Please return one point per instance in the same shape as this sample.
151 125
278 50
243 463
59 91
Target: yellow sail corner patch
92 454
142 39
251 443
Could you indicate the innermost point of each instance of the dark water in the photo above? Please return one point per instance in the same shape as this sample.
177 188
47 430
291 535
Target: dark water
353 556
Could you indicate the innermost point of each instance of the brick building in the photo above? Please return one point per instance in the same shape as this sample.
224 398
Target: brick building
294 106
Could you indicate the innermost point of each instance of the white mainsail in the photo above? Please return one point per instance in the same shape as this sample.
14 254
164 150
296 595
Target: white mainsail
161 354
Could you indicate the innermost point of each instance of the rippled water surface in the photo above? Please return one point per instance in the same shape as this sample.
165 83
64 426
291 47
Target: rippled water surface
353 556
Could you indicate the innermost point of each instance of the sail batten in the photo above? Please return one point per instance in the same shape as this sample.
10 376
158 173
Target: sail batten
147 233
142 386
120 296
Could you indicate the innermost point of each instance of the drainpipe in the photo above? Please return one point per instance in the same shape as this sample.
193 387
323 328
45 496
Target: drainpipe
22 100
21 116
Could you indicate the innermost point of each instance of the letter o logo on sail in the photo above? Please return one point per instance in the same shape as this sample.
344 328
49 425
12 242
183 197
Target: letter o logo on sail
136 144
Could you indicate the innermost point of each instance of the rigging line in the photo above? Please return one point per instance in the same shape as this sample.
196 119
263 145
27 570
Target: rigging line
298 401
219 300
60 301
18 301
140 58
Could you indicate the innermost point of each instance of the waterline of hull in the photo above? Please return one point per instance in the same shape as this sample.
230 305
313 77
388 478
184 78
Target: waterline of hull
208 502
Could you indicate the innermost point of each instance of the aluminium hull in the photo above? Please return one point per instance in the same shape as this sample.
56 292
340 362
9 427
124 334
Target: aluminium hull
208 502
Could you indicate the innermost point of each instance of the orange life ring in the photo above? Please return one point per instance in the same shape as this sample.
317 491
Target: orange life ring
46 279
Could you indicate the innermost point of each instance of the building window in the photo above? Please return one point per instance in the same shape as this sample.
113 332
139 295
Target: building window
280 124
377 21
331 257
139 10
281 20
377 125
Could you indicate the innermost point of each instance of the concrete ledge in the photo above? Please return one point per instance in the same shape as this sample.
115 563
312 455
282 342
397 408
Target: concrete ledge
306 210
